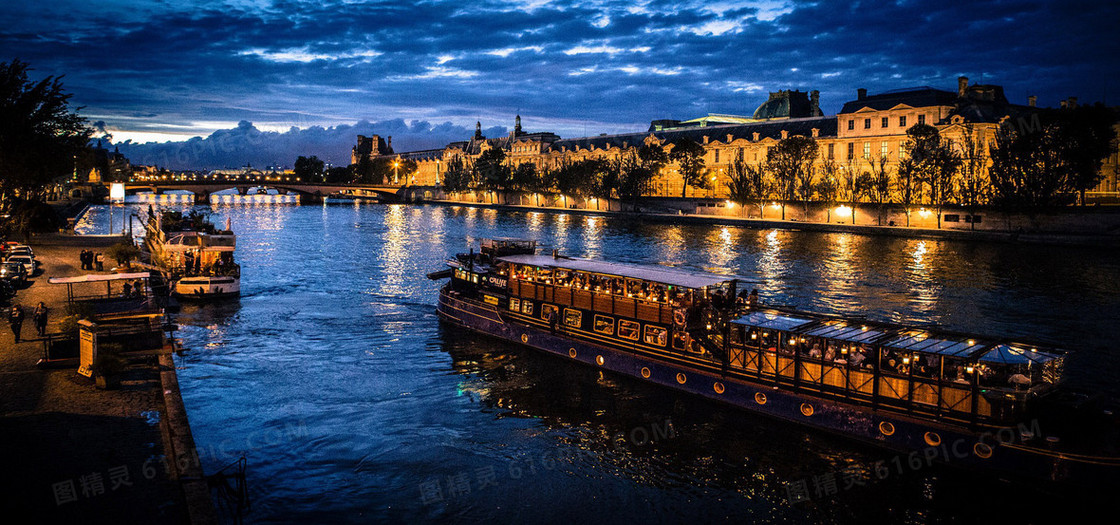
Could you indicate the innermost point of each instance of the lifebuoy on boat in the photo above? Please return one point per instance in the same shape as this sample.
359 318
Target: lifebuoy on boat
679 318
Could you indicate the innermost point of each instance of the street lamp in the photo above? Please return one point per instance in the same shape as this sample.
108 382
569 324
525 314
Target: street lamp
396 164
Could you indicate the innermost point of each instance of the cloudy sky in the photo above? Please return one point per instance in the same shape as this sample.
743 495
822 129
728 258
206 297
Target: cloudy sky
263 81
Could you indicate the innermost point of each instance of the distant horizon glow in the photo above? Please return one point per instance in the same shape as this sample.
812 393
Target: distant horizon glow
150 72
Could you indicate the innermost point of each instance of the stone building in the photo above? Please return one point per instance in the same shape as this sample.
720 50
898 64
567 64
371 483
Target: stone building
867 128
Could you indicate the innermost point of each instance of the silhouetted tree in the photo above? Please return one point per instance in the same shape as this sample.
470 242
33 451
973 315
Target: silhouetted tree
790 161
689 156
458 176
309 169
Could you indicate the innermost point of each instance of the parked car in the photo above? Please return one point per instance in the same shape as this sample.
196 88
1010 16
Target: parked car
13 272
7 291
21 249
29 264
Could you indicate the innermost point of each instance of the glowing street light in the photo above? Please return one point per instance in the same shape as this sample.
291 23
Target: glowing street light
396 164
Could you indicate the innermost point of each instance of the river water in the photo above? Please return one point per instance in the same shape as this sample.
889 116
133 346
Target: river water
352 402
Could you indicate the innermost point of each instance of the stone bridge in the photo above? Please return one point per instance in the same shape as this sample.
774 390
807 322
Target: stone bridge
309 193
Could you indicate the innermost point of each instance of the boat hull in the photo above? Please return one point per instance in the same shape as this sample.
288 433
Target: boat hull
206 288
919 443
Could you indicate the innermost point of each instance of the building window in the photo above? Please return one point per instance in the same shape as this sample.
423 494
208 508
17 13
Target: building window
740 154
851 150
886 122
830 150
884 149
717 156
921 119
902 121
866 123
851 124
867 150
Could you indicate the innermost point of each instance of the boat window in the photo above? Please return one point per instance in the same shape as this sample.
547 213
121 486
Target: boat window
680 339
527 307
893 361
514 304
604 325
548 310
573 317
787 344
737 334
655 335
628 330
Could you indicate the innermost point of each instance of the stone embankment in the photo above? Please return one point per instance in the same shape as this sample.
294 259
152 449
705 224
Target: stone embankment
77 454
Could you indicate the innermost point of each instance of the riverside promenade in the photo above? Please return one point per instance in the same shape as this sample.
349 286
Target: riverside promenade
76 454
1111 240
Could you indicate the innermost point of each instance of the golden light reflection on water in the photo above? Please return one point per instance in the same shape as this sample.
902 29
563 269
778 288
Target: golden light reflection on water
722 254
771 262
593 237
536 224
562 224
671 244
924 289
394 251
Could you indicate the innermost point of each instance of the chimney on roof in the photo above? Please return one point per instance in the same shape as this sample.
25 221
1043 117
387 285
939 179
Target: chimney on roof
816 132
814 103
1032 101
785 134
389 143
962 86
861 93
754 136
1072 102
706 138
730 138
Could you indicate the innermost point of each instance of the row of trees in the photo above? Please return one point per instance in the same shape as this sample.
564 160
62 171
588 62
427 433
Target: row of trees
1027 167
366 171
627 177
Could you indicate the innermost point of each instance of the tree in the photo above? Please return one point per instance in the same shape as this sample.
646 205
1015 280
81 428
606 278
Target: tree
338 175
689 156
526 178
637 170
1028 170
934 163
605 181
309 169
747 184
791 161
829 186
40 137
458 177
491 171
879 184
973 186
1085 139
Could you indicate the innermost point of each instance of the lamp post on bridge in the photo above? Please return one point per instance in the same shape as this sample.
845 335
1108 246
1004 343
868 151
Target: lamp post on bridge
396 164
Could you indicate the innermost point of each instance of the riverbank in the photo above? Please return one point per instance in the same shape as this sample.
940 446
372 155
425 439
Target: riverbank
1025 237
75 453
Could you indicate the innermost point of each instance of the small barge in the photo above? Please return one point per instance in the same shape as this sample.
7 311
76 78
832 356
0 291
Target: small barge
194 257
962 399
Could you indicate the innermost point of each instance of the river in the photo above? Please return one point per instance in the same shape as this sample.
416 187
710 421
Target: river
352 402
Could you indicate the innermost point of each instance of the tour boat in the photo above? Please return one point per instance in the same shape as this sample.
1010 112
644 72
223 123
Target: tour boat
934 396
194 256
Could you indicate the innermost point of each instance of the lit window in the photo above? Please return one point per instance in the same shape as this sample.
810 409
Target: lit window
884 149
628 330
604 325
573 317
867 150
655 335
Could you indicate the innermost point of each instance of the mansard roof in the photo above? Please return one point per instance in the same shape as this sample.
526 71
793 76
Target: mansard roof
914 97
826 127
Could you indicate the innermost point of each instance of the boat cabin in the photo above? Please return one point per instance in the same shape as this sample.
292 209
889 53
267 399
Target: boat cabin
941 375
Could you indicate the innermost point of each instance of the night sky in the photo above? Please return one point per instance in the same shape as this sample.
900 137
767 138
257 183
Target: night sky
265 81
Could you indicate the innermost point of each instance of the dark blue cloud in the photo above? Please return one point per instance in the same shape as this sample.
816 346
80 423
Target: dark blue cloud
572 67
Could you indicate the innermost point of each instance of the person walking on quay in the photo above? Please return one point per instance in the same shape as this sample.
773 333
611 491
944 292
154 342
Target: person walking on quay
15 320
40 318
100 262
82 259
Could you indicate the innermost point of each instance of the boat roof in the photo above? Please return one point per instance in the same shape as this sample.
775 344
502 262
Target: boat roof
93 278
773 321
657 274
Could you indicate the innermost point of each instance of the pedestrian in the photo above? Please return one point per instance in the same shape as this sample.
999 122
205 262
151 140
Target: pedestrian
100 262
15 320
127 289
40 318
82 259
